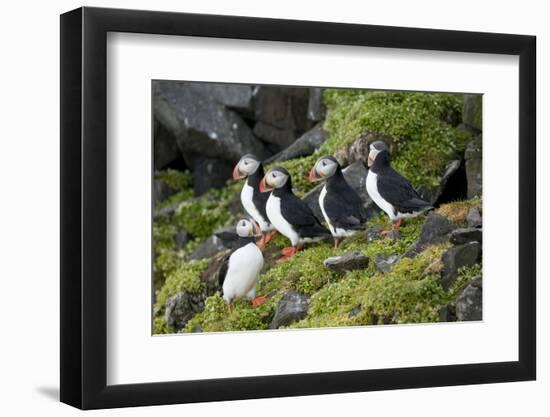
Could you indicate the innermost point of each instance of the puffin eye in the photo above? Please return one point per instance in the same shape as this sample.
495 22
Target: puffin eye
323 163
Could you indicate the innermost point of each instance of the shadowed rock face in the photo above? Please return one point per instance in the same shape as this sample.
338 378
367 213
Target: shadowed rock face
457 257
305 145
202 125
292 307
349 261
474 167
436 229
181 307
469 303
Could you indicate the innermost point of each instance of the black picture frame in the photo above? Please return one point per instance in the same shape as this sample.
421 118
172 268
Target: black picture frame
84 207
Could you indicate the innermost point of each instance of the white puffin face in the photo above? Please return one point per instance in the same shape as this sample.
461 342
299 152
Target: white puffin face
247 228
324 168
374 149
248 165
276 178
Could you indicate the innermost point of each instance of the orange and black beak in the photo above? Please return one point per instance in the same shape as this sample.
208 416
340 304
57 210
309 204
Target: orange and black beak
256 228
237 174
370 161
313 175
263 186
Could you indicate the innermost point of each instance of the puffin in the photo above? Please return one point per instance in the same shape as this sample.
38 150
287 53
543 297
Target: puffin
291 216
389 189
240 269
340 204
252 199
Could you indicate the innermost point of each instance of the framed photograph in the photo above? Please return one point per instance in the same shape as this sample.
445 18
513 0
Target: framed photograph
257 208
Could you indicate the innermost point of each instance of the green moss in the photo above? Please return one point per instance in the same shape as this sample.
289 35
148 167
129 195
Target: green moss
201 216
423 141
457 211
466 275
177 180
161 327
216 316
410 293
304 273
186 277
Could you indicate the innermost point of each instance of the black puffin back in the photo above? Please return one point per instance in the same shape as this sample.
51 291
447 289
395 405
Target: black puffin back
396 189
342 204
258 198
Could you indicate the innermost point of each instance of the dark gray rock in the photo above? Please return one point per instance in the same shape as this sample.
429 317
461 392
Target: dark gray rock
384 263
292 307
447 313
202 125
474 167
316 110
181 238
210 277
235 96
165 147
161 191
373 233
208 248
355 175
349 261
281 138
305 145
355 311
433 194
436 229
474 218
472 111
209 173
182 307
469 304
166 211
457 257
461 236
359 148
282 107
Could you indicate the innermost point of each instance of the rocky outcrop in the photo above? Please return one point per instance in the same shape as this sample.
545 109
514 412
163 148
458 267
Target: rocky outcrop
469 304
474 167
201 125
358 150
472 111
474 218
466 235
305 145
436 229
182 307
161 191
316 109
238 97
457 257
292 307
384 263
349 261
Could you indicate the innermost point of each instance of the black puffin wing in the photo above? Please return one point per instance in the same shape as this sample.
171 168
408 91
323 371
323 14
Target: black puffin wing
397 191
297 212
223 269
344 210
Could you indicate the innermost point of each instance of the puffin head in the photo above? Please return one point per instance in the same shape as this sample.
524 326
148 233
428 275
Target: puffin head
325 167
376 148
246 166
275 178
248 228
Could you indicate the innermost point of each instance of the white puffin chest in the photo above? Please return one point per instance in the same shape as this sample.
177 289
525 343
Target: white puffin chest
247 194
244 267
372 189
273 210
